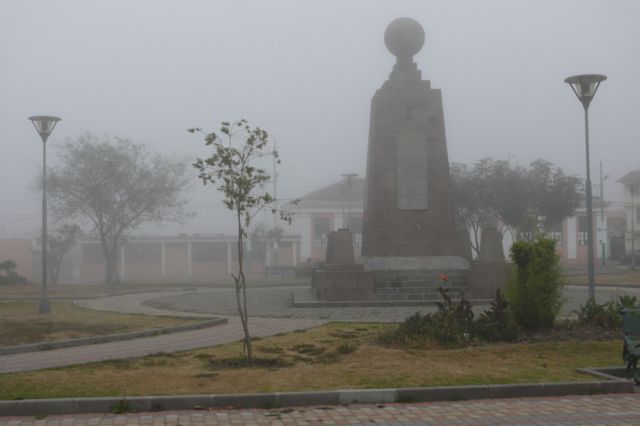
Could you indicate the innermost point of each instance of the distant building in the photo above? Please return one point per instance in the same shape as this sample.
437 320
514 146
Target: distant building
338 205
187 258
571 235
631 183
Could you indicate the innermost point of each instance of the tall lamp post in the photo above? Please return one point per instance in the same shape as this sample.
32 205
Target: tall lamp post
348 181
585 87
633 222
603 230
44 126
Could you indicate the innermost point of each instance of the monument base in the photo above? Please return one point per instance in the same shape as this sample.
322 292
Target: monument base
416 278
486 278
342 283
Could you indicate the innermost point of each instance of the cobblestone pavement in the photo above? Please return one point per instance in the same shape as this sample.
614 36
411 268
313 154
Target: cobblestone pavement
276 302
621 409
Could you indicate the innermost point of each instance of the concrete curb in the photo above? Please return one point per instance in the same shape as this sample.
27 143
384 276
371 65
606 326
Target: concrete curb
377 303
34 407
58 344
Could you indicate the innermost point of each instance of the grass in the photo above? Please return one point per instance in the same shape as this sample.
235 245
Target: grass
631 278
20 322
335 356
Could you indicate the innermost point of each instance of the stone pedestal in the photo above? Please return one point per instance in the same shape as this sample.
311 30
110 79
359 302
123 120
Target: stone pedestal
339 278
340 248
489 273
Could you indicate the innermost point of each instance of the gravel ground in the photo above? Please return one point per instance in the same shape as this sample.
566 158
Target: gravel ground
277 302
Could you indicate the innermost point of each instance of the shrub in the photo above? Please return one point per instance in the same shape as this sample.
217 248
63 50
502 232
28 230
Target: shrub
8 275
602 315
605 315
497 324
535 289
453 320
449 326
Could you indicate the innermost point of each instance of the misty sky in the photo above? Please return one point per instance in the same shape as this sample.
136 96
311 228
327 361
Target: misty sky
306 72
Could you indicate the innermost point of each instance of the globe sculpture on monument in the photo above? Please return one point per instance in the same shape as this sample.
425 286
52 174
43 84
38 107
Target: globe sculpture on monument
409 235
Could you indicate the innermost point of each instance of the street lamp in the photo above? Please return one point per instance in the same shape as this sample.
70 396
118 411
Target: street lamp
585 87
603 230
347 182
44 126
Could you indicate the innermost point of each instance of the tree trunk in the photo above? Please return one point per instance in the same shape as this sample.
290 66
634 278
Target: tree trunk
241 295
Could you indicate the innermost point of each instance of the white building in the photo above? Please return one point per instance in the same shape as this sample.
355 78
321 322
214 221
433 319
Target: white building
631 182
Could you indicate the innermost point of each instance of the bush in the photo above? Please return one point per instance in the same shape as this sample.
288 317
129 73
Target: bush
8 275
497 324
453 320
606 315
449 326
535 289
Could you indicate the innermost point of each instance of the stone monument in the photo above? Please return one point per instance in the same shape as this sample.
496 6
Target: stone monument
409 228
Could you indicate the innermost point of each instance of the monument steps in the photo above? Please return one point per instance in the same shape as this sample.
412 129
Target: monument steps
415 285
431 297
409 290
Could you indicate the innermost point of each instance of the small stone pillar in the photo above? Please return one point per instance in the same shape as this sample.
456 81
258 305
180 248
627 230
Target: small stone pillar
489 273
340 248
339 278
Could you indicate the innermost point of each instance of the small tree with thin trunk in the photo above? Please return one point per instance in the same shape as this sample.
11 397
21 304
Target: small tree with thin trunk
230 168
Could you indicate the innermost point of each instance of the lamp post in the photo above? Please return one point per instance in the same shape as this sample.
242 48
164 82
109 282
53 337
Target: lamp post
348 181
44 126
603 230
633 222
585 87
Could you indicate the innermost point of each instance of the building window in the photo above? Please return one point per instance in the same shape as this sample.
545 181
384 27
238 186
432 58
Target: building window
582 230
321 229
357 240
556 234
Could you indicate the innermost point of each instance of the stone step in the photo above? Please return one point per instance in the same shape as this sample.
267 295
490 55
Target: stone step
396 290
418 285
435 297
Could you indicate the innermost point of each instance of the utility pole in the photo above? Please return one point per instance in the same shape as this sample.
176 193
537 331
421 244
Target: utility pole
603 230
633 221
274 181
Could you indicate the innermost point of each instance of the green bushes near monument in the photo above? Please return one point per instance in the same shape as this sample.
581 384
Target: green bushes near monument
454 324
532 302
534 289
605 315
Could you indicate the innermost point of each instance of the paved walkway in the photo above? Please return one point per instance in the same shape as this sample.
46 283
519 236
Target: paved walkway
276 302
621 409
175 342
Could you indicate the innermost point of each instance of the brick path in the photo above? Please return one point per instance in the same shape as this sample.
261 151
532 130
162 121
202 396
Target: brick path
621 409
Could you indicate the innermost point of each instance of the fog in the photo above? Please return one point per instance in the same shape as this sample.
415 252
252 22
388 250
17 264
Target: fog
306 72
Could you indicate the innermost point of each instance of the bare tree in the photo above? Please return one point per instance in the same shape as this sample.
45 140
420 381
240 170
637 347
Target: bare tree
116 185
